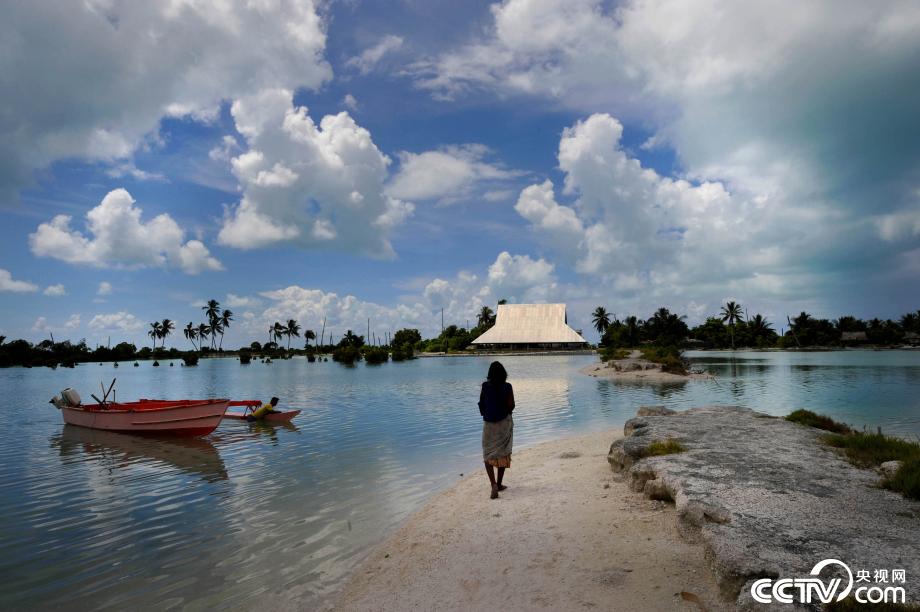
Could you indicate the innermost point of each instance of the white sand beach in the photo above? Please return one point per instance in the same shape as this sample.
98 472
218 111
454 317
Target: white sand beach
567 534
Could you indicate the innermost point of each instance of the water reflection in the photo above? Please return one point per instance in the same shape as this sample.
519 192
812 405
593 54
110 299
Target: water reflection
261 515
194 456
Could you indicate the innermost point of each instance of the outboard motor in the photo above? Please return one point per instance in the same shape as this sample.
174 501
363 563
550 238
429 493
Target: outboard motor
67 399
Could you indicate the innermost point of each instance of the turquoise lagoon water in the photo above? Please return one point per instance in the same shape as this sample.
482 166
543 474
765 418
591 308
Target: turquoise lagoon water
263 516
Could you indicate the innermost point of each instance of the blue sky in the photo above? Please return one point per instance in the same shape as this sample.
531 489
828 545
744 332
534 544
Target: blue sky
355 160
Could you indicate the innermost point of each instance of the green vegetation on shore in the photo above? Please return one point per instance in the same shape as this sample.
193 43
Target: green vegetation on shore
350 348
733 328
818 421
664 335
663 447
870 450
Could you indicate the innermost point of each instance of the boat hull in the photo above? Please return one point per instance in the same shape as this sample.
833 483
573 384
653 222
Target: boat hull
158 417
272 417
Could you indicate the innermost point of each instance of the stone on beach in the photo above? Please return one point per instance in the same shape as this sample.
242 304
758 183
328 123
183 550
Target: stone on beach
767 498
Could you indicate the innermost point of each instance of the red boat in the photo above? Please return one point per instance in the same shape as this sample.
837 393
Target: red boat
151 417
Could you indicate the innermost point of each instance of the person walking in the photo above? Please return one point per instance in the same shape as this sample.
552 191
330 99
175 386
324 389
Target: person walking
496 403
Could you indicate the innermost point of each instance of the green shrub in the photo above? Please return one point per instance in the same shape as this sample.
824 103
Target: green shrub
669 446
668 357
610 353
870 449
818 421
906 479
401 353
347 355
376 355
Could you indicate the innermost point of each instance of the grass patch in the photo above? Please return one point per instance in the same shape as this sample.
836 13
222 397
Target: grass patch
906 479
819 421
871 449
611 353
663 447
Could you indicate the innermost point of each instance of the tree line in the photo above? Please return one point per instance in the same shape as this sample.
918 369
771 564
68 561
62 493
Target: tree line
733 328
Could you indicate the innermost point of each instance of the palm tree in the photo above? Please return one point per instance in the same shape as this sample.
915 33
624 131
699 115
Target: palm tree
278 331
166 328
632 329
2 340
211 310
601 319
486 317
215 329
203 332
908 322
731 313
292 330
225 319
190 334
803 319
309 335
759 326
154 333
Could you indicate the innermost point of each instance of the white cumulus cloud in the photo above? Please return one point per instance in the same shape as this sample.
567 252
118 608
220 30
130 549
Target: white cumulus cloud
448 173
7 283
129 64
119 238
370 57
792 123
105 288
121 321
55 290
315 186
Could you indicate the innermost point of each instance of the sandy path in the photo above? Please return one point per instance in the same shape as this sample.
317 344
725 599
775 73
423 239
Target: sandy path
566 535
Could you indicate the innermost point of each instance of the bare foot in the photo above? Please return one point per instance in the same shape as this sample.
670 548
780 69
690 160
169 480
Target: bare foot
502 487
494 494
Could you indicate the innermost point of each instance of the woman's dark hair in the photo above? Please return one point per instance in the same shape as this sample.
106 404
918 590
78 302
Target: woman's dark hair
497 373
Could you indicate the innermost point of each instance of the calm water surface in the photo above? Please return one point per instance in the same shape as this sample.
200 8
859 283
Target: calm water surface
258 516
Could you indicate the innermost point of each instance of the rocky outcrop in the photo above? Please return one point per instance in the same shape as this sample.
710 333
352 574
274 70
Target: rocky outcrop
767 498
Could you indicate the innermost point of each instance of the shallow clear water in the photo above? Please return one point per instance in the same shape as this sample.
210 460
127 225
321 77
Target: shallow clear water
258 515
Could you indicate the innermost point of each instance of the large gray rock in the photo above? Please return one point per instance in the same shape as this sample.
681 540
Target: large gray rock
653 411
768 499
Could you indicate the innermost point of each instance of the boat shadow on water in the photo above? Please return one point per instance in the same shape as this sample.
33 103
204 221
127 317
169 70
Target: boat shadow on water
235 430
193 456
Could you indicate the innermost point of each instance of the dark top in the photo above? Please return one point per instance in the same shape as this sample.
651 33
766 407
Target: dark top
496 401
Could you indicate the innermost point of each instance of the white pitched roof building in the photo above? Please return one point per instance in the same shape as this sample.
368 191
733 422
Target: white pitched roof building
530 326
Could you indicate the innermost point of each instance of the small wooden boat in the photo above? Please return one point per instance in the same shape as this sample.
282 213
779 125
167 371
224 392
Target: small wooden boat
276 417
284 416
151 417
